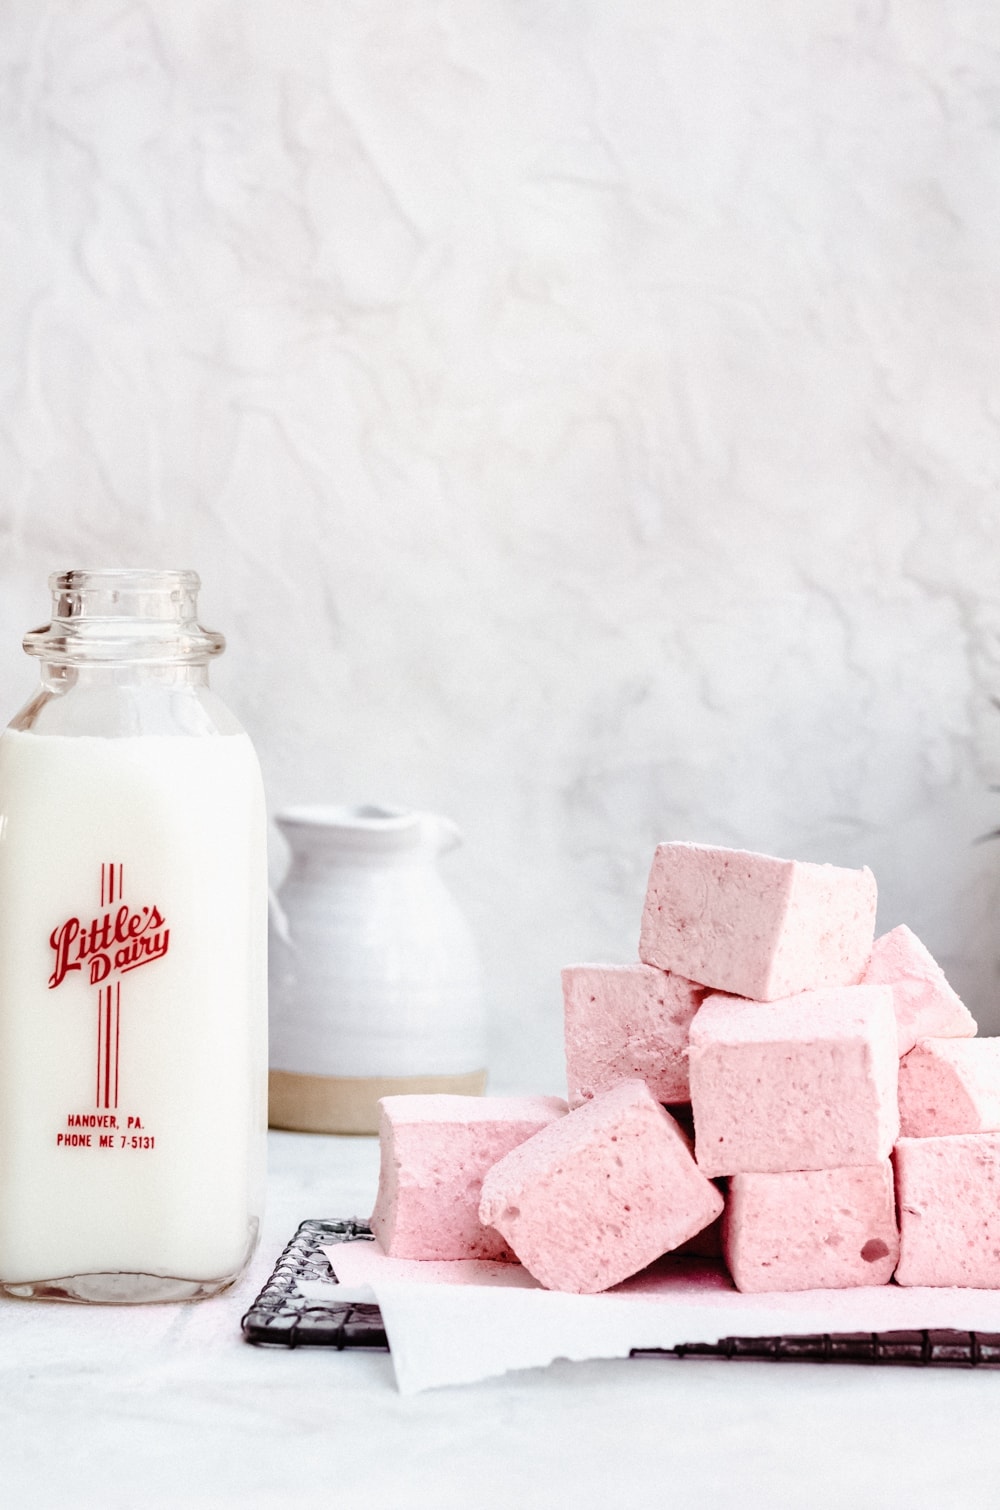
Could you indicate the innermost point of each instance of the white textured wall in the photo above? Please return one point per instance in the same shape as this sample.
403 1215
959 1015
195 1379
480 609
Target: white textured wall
585 418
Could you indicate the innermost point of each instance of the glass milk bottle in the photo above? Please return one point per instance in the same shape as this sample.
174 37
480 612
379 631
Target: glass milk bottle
132 956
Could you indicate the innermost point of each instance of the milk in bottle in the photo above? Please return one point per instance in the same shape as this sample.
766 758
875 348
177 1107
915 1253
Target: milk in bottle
132 928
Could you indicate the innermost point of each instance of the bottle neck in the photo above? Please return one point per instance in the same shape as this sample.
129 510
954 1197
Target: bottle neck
124 654
59 678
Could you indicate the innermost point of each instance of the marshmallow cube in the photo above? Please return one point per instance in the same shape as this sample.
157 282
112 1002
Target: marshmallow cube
926 1006
950 1085
804 1083
948 1191
755 925
818 1230
624 1022
434 1153
600 1194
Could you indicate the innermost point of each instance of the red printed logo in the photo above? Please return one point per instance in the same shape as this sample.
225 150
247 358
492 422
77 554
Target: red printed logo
119 939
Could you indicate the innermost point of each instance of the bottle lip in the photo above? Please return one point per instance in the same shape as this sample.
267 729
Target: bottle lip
122 614
114 578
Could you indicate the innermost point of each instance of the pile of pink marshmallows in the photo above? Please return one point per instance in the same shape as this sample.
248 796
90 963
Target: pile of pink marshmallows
846 1121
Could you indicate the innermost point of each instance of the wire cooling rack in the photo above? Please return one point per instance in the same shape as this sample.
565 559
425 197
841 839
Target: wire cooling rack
282 1317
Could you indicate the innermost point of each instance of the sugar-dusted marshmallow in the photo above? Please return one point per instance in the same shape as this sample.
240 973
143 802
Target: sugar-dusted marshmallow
624 1022
948 1193
950 1085
434 1153
804 1083
755 925
926 1006
822 1229
600 1194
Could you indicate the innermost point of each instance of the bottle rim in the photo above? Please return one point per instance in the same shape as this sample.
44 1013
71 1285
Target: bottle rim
112 578
122 614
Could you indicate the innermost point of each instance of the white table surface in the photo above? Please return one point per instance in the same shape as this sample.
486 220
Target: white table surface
164 1406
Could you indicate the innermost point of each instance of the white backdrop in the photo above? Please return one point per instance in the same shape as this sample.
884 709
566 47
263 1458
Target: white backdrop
584 417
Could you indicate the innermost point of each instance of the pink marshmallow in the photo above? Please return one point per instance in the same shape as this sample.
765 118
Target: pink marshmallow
600 1194
948 1191
950 1085
435 1151
926 1006
755 925
624 1022
804 1083
823 1229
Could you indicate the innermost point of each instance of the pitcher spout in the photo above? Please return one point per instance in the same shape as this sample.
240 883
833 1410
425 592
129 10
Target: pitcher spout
438 834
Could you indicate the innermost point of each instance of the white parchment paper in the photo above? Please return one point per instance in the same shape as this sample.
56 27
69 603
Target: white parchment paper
454 1323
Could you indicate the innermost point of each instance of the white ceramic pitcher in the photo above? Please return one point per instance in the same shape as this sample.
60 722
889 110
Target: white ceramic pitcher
375 982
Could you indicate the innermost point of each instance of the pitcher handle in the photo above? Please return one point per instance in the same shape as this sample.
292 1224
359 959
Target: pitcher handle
278 918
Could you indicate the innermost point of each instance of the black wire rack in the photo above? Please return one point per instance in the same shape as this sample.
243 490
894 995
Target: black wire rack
282 1317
